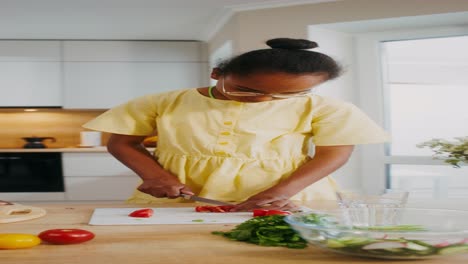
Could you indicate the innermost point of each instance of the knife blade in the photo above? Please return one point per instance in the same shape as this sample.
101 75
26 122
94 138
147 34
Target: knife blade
203 200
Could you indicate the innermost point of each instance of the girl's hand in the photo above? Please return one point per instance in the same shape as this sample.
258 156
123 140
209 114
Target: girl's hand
164 186
266 200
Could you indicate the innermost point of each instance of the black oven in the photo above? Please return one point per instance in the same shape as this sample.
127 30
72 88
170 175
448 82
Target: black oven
31 172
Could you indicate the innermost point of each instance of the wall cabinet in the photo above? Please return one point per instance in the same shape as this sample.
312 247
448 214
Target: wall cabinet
103 74
96 74
97 176
30 73
107 84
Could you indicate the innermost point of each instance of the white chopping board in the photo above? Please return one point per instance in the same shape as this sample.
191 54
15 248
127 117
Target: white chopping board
165 216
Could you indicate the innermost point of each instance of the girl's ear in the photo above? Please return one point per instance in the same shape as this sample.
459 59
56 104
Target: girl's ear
215 73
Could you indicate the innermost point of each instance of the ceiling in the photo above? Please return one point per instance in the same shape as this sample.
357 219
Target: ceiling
123 19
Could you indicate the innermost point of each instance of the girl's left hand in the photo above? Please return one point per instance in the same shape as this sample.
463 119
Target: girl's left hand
269 201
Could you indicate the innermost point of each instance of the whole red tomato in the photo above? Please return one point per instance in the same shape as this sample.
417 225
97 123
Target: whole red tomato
66 236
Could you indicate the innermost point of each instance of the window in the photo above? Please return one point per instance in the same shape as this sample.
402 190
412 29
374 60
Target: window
425 90
411 92
415 82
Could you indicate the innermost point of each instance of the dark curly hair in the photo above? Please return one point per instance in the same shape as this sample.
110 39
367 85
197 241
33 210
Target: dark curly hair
286 55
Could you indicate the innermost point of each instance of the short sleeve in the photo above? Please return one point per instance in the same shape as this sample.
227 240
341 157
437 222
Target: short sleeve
341 123
136 117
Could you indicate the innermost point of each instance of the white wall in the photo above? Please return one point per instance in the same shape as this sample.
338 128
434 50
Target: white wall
220 54
250 29
340 46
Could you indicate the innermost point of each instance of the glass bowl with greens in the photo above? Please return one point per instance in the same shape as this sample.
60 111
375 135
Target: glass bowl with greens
413 234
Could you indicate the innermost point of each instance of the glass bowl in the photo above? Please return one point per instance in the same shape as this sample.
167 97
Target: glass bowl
413 233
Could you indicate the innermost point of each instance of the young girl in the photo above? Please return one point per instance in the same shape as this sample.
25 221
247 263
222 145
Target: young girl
245 140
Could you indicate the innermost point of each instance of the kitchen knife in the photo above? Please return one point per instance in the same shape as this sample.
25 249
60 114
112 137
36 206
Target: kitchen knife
203 200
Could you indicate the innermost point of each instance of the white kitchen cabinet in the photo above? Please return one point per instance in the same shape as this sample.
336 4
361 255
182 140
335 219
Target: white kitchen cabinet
30 50
30 73
107 84
142 51
103 74
97 176
100 188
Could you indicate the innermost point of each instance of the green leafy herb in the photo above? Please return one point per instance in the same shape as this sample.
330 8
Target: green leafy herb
198 220
270 231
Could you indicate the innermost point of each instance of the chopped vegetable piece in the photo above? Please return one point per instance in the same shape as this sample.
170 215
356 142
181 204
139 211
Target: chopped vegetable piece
318 219
277 212
265 212
453 249
384 245
259 212
213 209
142 213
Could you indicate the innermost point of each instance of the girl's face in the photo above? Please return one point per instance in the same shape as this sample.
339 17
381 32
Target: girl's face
260 87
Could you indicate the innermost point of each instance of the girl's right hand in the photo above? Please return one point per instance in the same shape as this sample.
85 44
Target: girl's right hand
162 187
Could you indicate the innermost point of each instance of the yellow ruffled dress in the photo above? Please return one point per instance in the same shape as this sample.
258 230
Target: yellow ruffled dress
229 150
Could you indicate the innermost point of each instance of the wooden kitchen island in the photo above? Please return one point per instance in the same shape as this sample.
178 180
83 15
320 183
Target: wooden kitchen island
181 244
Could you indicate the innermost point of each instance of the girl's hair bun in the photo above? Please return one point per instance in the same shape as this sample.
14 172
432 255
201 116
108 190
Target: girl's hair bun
291 44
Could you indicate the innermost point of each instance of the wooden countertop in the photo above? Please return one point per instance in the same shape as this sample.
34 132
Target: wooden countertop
192 244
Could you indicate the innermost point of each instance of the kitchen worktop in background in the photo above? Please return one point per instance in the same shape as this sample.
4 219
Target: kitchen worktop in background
63 150
87 173
62 124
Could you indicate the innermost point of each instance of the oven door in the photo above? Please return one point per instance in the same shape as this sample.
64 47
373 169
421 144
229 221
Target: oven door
31 172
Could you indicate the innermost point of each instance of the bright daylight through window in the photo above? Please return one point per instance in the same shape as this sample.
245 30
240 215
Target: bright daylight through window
426 91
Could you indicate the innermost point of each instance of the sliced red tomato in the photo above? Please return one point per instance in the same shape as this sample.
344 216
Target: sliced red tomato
143 213
259 212
214 209
202 209
276 212
225 208
66 236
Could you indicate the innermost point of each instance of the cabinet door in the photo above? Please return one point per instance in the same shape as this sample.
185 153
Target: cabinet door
100 188
103 74
30 73
97 176
136 51
92 165
107 84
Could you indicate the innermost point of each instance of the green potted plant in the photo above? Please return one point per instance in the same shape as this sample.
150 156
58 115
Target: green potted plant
453 152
